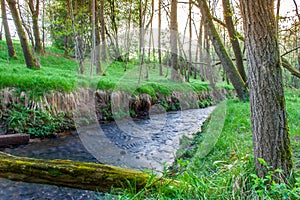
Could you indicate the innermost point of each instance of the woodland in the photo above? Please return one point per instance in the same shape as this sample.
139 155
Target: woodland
241 56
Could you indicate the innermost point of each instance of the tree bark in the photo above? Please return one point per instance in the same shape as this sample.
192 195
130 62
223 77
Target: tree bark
175 76
227 63
35 9
268 110
10 46
97 40
228 13
190 42
29 59
159 38
82 175
78 41
102 31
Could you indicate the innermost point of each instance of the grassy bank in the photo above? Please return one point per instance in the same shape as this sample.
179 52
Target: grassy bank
60 74
227 170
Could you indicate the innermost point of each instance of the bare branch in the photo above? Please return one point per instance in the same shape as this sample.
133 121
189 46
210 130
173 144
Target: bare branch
290 51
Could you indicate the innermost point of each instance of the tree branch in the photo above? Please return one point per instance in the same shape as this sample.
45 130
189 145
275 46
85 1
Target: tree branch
290 51
290 68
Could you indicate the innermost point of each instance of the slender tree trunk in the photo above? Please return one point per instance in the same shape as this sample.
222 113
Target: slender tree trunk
226 61
25 22
29 59
175 76
102 31
34 9
128 33
78 42
298 36
43 27
159 38
97 41
115 41
10 46
141 27
199 53
92 19
1 32
190 42
268 110
228 13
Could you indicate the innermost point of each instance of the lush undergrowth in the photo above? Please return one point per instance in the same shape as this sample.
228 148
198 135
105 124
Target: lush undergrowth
37 123
223 168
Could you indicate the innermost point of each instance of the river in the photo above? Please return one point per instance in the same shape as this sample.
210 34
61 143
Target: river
133 143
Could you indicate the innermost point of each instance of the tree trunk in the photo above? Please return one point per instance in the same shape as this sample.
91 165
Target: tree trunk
102 26
35 25
228 13
82 175
97 41
29 59
159 38
268 111
93 35
190 42
236 80
115 41
128 33
175 76
1 32
10 46
78 42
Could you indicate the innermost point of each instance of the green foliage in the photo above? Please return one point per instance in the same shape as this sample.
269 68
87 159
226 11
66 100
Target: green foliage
38 123
267 188
148 89
105 84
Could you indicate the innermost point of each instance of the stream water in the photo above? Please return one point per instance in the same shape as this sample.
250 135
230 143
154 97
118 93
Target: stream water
138 144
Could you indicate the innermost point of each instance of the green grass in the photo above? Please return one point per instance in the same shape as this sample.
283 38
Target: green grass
60 74
220 164
56 73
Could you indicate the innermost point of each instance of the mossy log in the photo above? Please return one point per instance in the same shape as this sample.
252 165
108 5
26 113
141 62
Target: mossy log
82 175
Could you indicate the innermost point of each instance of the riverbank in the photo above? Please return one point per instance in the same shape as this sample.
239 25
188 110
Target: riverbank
58 111
41 102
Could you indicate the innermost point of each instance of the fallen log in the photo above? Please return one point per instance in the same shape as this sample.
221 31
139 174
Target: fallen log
13 140
82 175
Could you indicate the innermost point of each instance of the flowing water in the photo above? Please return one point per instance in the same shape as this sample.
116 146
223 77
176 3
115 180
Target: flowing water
139 144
